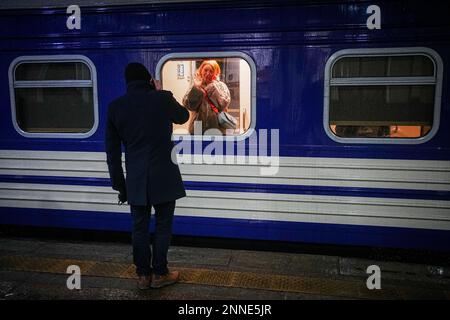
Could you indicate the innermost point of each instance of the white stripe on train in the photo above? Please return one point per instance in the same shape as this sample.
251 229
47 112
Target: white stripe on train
339 172
411 213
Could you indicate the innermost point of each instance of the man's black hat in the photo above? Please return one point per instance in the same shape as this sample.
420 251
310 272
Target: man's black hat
136 71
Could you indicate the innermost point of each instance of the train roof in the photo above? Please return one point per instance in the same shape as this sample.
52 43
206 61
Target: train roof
34 4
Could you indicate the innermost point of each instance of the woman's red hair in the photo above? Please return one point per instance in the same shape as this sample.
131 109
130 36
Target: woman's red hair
213 64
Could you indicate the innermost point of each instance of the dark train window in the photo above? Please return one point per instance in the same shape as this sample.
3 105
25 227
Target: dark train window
54 96
384 97
181 73
53 71
396 66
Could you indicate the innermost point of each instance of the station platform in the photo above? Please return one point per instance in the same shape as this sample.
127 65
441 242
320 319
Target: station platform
35 268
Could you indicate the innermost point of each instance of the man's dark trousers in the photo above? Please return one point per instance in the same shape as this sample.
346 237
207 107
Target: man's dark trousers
142 254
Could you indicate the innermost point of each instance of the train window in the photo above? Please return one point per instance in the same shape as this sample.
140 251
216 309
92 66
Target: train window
383 96
385 66
236 95
54 96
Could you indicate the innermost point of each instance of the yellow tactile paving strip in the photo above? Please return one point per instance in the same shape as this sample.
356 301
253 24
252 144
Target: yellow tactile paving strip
307 285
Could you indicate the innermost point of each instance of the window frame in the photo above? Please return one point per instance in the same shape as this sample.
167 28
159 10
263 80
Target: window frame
383 52
13 84
216 54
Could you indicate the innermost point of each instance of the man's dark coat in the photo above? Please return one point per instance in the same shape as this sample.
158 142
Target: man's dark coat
142 120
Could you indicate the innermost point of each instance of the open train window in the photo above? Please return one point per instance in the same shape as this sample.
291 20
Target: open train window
54 96
178 73
383 95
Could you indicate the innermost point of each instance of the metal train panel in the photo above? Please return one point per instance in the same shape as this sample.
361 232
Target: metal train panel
324 191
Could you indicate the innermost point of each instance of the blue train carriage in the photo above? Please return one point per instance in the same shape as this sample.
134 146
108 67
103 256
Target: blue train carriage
354 92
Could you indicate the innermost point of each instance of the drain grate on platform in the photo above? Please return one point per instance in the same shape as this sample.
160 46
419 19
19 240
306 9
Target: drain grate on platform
249 280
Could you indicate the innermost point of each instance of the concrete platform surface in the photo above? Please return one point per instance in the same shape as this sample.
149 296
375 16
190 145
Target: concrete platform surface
33 268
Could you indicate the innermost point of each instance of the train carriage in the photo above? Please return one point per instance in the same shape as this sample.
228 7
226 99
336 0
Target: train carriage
351 98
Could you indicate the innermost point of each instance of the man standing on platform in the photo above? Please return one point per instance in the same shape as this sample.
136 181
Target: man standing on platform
142 120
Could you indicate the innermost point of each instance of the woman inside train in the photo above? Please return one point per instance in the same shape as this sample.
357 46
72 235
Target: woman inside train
207 98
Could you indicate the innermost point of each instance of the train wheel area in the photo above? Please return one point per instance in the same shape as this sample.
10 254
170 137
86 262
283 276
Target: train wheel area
36 268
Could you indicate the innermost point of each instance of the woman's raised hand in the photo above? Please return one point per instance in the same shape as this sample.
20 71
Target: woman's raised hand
197 82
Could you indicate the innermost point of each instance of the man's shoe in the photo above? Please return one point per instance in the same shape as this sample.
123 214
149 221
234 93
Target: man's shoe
165 280
144 282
